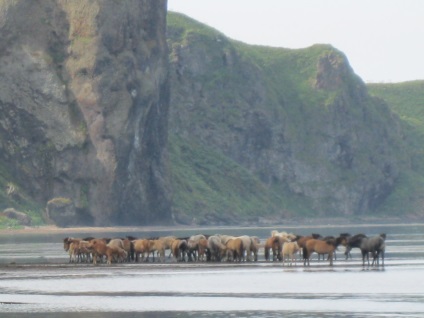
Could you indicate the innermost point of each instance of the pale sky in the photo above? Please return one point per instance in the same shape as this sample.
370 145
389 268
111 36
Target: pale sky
382 39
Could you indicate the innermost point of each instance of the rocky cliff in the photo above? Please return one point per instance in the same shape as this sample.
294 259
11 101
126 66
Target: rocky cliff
300 121
84 98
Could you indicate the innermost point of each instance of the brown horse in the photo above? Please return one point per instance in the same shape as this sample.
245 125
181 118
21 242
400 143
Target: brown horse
320 247
235 249
179 249
141 248
82 252
100 249
274 243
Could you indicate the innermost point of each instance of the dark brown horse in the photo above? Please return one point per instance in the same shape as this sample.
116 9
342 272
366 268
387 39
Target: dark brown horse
353 242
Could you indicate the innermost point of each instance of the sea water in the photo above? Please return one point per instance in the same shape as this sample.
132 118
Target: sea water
36 280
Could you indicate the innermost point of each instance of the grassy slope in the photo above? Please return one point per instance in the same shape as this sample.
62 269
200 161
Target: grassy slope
407 101
205 180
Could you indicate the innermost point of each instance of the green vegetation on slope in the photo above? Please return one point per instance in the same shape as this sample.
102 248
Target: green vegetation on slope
407 101
209 186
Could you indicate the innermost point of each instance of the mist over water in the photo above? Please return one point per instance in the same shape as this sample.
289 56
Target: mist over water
36 280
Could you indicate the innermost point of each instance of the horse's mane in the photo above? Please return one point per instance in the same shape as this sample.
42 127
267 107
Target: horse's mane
330 240
356 239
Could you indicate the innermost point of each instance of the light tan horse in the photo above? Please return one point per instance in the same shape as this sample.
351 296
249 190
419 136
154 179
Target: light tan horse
193 246
216 248
159 247
118 244
248 246
167 241
254 247
289 251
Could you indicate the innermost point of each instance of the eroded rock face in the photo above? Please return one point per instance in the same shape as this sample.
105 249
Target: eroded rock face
21 217
84 100
62 212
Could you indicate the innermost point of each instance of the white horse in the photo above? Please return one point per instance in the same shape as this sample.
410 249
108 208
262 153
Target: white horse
289 236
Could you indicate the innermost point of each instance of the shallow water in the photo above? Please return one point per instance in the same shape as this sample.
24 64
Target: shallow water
40 283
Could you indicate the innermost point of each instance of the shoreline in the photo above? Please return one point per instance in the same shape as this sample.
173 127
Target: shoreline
53 229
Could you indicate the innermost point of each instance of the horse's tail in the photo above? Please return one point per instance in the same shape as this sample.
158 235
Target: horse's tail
266 253
305 253
132 251
241 254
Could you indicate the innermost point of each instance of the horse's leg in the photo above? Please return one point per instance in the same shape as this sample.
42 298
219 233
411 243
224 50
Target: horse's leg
306 257
347 252
330 256
382 257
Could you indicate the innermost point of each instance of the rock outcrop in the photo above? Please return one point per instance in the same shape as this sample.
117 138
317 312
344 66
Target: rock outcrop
84 97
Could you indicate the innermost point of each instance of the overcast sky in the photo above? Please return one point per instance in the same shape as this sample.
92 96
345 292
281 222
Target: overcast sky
383 39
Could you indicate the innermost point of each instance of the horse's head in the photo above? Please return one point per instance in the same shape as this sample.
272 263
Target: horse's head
292 237
66 243
316 236
341 240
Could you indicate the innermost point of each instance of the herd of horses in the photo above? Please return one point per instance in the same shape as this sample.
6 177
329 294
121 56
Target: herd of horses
280 246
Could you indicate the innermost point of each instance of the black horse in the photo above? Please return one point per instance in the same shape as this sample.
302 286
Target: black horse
353 242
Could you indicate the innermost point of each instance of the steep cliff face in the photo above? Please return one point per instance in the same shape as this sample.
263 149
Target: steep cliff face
84 99
299 120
